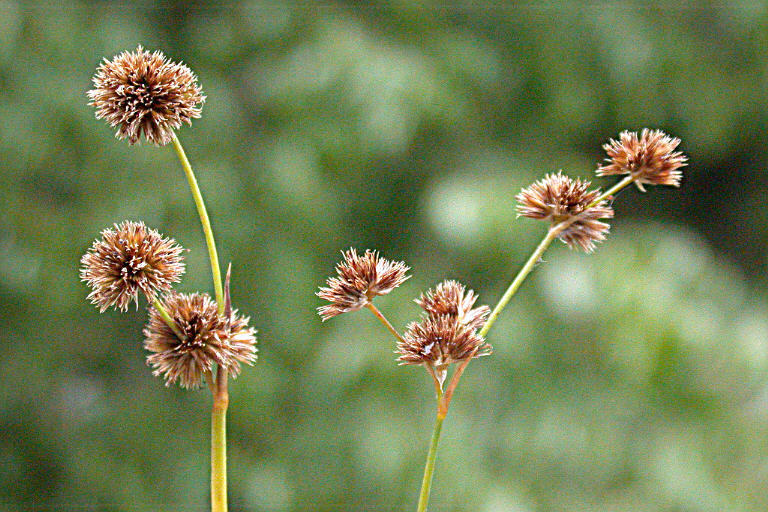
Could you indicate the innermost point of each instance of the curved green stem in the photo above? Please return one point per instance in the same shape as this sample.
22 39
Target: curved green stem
613 190
220 393
167 318
204 220
429 468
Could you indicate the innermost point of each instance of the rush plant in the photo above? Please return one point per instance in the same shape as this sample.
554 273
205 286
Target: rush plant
192 339
451 330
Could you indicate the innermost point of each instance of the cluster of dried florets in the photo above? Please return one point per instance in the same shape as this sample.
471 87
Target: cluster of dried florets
650 158
191 337
557 198
208 339
144 93
128 260
568 204
447 332
360 279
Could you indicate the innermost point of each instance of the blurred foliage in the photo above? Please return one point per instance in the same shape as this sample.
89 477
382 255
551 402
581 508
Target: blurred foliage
631 379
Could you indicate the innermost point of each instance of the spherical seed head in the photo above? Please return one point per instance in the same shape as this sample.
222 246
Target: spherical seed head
439 341
360 278
208 340
650 158
557 198
145 93
129 259
452 299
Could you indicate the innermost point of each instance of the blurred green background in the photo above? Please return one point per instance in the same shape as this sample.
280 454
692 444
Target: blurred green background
635 378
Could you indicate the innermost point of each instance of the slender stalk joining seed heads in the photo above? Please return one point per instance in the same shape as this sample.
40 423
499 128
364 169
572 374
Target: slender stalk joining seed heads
384 320
529 265
167 318
204 220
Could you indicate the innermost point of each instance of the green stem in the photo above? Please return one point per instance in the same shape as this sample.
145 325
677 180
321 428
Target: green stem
167 318
613 190
553 233
429 468
519 278
219 449
204 220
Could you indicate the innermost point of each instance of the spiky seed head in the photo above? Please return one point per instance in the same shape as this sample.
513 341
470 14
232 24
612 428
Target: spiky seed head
557 198
650 158
359 279
437 341
144 93
451 298
208 340
128 260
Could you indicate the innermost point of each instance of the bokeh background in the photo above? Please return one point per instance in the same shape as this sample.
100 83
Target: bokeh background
635 378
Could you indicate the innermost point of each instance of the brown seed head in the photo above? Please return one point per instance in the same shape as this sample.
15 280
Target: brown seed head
208 340
558 198
439 341
145 93
129 259
359 280
452 299
649 158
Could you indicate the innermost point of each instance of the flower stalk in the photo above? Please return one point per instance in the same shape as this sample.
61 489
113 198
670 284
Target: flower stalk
167 318
213 255
220 391
429 467
536 255
384 321
219 443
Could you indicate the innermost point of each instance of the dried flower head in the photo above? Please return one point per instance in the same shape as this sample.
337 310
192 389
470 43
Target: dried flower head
145 93
208 340
439 341
558 198
359 280
129 259
649 158
452 299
